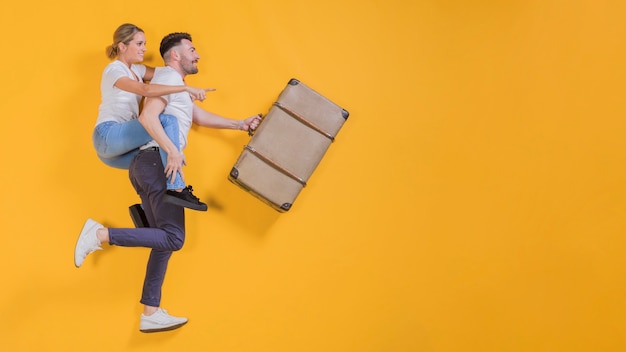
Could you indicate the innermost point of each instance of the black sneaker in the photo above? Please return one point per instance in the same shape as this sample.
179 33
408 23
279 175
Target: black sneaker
138 216
185 199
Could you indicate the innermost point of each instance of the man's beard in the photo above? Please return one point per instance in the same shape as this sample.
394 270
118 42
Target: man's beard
190 69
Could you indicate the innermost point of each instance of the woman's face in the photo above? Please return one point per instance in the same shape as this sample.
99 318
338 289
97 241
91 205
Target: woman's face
133 52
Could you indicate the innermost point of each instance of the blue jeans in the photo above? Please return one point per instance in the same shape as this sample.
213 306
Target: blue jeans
117 143
167 221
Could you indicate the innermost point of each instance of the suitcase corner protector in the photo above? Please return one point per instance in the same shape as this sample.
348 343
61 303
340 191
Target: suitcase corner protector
234 173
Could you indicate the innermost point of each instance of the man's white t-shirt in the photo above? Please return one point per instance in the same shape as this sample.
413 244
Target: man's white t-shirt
117 104
179 105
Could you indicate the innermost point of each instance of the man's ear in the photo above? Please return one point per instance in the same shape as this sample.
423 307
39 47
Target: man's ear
174 54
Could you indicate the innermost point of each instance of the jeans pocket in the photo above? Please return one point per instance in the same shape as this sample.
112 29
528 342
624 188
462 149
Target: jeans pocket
99 135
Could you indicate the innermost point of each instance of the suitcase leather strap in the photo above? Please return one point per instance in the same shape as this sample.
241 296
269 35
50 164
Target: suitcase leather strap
304 121
271 163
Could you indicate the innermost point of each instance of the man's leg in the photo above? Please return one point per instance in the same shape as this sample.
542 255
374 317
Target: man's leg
168 232
155 276
164 215
147 175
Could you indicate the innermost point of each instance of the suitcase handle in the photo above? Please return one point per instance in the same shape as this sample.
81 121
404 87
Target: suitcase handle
250 130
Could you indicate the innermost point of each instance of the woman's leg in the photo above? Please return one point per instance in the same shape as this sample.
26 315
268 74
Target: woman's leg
177 192
121 161
170 125
117 143
112 139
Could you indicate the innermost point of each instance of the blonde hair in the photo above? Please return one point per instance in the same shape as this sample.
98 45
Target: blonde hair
123 34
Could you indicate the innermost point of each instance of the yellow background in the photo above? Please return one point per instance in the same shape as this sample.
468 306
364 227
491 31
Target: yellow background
473 201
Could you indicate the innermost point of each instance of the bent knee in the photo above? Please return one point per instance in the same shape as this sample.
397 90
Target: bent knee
167 119
177 245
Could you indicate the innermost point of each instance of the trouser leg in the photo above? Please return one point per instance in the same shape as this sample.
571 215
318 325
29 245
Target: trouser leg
155 276
149 180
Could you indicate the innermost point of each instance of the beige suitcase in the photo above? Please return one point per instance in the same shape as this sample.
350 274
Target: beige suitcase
288 145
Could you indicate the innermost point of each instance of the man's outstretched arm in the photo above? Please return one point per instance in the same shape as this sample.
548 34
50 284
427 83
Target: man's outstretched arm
205 118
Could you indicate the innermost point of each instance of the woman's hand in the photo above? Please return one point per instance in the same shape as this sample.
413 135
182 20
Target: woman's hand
198 93
174 167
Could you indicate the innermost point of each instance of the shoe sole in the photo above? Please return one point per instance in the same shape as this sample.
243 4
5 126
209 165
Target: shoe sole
181 203
89 224
173 327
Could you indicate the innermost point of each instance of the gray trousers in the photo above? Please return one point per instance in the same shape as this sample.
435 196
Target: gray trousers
167 221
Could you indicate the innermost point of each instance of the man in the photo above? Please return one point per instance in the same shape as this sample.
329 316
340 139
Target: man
148 177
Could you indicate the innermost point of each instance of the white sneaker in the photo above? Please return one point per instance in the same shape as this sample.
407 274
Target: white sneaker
160 321
87 242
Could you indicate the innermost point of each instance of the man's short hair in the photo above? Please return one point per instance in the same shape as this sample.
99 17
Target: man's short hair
171 40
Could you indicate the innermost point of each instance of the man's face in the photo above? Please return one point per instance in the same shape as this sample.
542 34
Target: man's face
188 57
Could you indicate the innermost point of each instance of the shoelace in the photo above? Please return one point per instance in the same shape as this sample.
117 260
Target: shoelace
190 189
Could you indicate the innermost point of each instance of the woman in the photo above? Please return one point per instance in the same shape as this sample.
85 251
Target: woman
118 134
